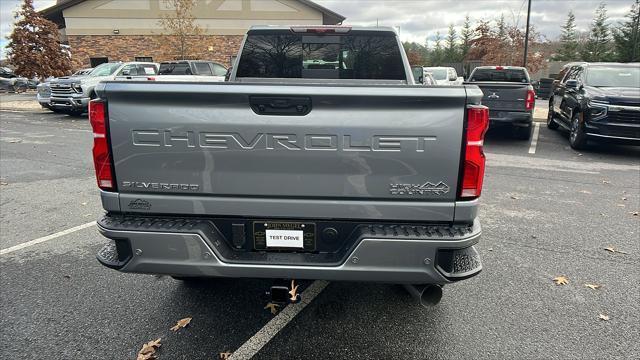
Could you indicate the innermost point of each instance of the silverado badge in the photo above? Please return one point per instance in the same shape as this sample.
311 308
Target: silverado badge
419 189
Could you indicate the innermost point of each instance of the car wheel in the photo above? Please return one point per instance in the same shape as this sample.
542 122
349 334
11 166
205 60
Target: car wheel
577 135
551 118
522 133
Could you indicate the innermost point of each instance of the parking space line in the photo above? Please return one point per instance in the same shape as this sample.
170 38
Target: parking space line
46 238
534 139
271 329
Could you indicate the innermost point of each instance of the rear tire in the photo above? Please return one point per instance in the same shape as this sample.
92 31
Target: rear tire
577 136
522 133
551 119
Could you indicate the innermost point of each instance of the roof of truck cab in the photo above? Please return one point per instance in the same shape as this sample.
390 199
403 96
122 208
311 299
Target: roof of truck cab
353 28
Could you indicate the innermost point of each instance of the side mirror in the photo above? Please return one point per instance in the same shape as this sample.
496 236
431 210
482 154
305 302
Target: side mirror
453 78
572 84
421 79
126 72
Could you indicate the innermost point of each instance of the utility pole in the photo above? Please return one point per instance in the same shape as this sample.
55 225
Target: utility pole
526 36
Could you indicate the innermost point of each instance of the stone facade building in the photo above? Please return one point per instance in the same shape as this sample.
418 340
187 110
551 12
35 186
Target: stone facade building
127 30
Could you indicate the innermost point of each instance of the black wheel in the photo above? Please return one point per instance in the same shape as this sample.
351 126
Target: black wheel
551 118
577 136
522 133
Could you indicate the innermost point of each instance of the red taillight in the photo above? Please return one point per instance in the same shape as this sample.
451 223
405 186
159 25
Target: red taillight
151 78
474 161
101 153
530 101
499 68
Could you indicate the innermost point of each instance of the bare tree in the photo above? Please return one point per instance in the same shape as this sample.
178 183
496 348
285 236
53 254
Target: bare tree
180 26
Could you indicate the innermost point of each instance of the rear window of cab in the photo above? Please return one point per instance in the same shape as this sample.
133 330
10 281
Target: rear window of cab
346 56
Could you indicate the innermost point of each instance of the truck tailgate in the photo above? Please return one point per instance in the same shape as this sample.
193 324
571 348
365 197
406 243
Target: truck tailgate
503 95
317 143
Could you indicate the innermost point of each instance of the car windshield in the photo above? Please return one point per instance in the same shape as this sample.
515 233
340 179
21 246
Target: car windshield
614 76
438 74
105 69
503 75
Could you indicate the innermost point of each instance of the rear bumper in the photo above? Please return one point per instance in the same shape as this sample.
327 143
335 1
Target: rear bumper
516 118
185 247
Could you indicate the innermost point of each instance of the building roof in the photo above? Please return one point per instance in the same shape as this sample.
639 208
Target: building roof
54 13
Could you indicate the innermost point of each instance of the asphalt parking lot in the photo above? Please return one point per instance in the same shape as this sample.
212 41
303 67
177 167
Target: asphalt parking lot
546 211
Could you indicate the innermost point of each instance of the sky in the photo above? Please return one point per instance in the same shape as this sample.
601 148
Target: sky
419 20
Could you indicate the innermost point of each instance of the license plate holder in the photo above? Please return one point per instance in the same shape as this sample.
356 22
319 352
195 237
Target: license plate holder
284 235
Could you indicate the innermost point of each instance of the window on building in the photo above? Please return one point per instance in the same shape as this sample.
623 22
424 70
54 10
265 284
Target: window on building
95 61
144 58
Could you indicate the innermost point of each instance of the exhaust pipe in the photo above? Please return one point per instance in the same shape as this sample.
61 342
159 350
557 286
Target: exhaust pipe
426 295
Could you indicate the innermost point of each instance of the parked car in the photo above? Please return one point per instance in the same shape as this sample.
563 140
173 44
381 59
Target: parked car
72 94
11 82
43 94
597 101
191 70
341 172
509 95
422 76
82 72
445 75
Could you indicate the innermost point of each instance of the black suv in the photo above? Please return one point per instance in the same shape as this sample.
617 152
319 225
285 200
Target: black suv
597 101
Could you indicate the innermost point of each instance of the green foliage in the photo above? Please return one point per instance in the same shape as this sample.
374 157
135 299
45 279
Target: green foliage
598 45
627 36
466 37
569 46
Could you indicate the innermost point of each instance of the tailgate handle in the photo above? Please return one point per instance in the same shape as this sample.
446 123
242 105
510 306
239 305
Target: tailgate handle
280 105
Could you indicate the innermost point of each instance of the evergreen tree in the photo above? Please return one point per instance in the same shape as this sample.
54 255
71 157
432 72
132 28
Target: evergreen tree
598 46
451 51
568 50
34 45
437 53
502 28
467 37
627 36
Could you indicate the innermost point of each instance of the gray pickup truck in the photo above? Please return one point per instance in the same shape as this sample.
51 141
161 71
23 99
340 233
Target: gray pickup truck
509 95
319 159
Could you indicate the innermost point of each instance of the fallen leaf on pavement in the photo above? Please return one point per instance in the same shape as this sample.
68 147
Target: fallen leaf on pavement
606 182
592 286
621 205
490 249
585 191
294 291
4 183
634 213
624 199
514 197
84 203
272 307
561 280
181 323
66 276
15 141
604 317
612 250
148 350
225 355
